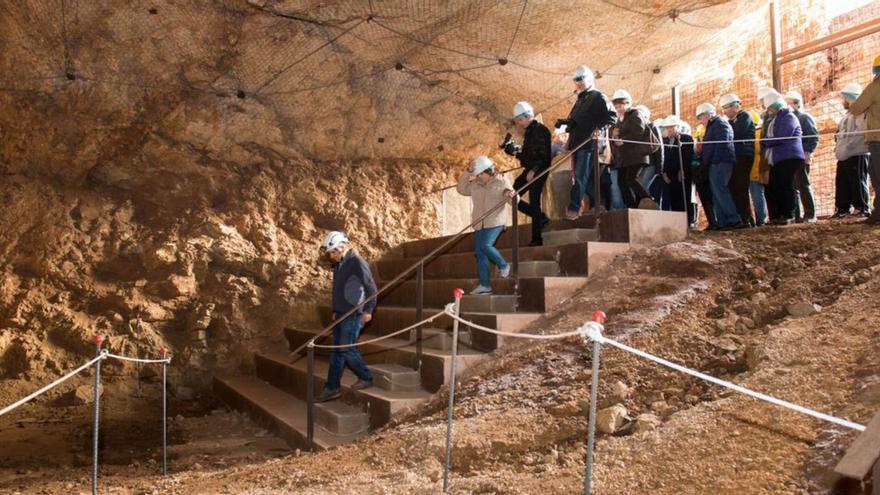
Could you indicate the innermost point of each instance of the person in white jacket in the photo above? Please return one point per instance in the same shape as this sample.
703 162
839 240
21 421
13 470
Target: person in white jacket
486 189
851 180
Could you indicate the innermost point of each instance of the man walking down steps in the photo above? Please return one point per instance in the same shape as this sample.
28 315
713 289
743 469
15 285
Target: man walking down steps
352 284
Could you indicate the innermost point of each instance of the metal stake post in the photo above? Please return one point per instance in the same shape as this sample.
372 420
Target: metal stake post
310 394
597 176
420 303
682 173
458 294
599 317
99 340
165 412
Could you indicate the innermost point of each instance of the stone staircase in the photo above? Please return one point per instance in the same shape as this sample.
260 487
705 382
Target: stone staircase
275 395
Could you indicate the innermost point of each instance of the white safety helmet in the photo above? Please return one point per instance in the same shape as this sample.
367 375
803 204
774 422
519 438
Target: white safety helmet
852 90
705 108
645 111
523 108
583 73
621 94
670 121
562 130
763 90
333 241
728 99
772 97
481 164
684 127
794 96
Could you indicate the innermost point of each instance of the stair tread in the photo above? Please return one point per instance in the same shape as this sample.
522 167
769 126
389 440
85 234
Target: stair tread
322 365
414 259
283 407
464 281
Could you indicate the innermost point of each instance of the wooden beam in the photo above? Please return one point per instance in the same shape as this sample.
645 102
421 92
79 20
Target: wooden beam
862 455
830 41
774 46
676 101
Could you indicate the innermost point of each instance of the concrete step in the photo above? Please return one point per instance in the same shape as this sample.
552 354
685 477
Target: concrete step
436 363
538 269
643 227
291 376
389 319
441 339
422 247
489 303
573 260
395 377
276 410
537 294
570 236
341 419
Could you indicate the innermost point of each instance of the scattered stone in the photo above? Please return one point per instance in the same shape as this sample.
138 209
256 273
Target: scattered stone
862 276
611 419
776 283
802 309
84 394
620 390
646 422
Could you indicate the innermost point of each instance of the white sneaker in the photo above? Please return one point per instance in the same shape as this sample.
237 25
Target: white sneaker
481 289
504 272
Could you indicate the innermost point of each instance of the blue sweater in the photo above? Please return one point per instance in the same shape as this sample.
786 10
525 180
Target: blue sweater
352 283
784 124
743 128
718 129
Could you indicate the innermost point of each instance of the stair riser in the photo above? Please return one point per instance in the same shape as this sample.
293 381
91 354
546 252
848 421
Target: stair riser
572 258
489 304
561 237
537 295
466 244
229 396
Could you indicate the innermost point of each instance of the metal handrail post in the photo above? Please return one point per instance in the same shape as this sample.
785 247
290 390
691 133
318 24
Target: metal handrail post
597 176
165 412
310 395
448 457
515 240
99 340
420 305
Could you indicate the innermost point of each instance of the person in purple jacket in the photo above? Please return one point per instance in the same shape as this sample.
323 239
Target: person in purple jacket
719 156
786 156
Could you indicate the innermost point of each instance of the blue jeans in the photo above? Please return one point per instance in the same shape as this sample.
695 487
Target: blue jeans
616 196
725 210
583 179
484 250
756 189
346 332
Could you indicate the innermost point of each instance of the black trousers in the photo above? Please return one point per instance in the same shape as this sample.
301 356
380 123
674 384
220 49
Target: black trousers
782 187
532 208
632 189
739 187
851 184
704 192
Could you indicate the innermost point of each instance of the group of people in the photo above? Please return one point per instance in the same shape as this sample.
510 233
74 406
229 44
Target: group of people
748 169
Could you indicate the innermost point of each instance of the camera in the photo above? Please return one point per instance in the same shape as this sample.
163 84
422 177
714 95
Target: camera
509 147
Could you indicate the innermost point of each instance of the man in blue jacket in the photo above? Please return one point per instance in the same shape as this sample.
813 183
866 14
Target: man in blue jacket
810 141
744 146
719 155
352 285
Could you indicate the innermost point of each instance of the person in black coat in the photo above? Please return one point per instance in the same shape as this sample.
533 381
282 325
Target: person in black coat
534 156
591 113
677 162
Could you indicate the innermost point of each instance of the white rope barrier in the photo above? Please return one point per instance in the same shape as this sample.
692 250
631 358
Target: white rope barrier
138 360
383 337
596 336
450 310
52 385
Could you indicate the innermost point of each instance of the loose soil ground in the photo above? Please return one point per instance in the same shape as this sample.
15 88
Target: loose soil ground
716 303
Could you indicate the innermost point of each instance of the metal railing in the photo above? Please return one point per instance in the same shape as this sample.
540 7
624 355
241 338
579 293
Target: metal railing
419 268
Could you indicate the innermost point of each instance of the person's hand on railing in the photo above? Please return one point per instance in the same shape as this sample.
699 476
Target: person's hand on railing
510 193
366 317
530 176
